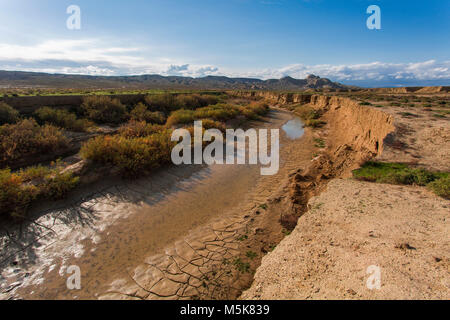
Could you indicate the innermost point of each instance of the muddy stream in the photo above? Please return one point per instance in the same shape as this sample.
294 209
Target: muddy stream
175 234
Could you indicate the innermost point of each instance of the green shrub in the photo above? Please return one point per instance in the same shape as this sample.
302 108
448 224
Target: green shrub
161 102
398 173
211 124
170 102
315 123
19 190
141 113
103 109
15 198
441 187
59 185
135 129
308 113
181 116
8 114
194 101
27 138
130 155
219 112
62 118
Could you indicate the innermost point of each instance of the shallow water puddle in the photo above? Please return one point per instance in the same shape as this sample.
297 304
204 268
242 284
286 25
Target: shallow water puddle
294 128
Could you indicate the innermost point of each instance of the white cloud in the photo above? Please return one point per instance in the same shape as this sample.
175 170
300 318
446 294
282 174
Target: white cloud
428 70
97 57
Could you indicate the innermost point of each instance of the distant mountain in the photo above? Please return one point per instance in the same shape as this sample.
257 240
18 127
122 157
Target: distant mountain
14 79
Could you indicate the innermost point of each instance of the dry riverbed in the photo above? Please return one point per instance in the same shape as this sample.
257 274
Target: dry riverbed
194 232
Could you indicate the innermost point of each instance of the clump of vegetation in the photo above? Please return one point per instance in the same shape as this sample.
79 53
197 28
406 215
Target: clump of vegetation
218 112
211 124
310 116
398 173
168 102
320 143
136 129
315 123
103 109
62 118
26 138
441 187
19 190
263 206
408 114
131 156
241 266
141 113
8 114
251 254
365 103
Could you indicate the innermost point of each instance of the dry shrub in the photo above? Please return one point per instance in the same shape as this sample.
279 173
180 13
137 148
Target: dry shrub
103 109
131 156
19 190
169 102
8 114
135 129
27 138
62 118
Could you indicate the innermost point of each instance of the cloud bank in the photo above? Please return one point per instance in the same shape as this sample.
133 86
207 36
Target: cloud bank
94 57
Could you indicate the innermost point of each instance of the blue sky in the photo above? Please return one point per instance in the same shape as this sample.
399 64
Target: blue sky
249 38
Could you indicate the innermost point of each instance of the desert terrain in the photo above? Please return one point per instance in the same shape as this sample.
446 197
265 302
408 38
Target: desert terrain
226 232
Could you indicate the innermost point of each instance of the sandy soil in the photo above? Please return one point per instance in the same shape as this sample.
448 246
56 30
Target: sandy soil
353 225
403 230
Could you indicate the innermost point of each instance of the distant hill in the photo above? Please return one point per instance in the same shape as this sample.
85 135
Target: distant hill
16 79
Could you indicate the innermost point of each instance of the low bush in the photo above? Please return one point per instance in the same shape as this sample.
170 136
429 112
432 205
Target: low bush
19 190
131 156
181 116
135 129
441 187
219 112
103 109
211 124
8 114
315 123
169 102
308 113
398 173
27 138
194 101
141 113
62 118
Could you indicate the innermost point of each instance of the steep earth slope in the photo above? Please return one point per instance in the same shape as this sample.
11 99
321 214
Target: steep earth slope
354 226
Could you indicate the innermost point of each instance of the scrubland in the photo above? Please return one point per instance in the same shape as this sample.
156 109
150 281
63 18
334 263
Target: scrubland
141 141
